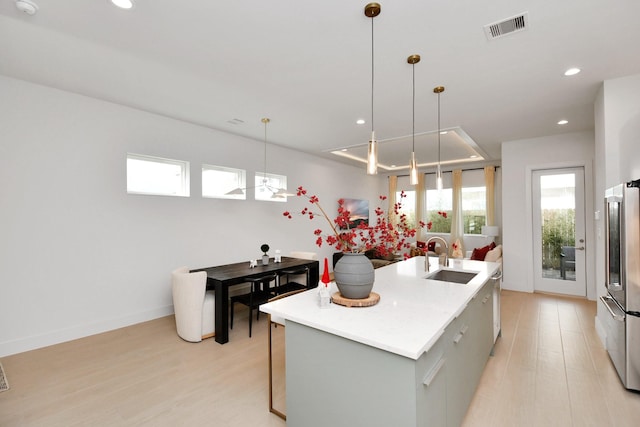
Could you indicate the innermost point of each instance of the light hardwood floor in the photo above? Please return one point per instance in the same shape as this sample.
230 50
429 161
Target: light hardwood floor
549 369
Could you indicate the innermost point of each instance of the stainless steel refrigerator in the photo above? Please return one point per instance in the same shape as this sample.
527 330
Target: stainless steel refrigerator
622 324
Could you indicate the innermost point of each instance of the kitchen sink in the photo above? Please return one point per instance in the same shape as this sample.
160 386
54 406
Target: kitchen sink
454 276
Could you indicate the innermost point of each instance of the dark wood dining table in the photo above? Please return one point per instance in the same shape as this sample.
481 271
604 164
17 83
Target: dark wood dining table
220 278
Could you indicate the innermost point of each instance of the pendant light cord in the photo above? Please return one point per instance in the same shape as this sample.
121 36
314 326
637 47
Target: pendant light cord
265 121
372 74
439 131
413 128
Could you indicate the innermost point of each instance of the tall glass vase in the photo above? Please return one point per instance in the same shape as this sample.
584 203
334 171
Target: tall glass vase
354 275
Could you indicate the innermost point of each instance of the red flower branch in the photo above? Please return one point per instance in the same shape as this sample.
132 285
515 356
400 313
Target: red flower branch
385 236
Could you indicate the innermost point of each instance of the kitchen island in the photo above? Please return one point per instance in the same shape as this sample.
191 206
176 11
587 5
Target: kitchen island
413 359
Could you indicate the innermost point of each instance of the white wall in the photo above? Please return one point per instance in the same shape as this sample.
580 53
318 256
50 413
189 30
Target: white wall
622 129
79 256
617 116
519 159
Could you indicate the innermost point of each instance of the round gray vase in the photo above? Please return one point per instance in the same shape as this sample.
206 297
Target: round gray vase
354 275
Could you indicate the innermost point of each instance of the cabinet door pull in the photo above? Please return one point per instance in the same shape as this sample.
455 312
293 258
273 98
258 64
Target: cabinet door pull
428 379
463 331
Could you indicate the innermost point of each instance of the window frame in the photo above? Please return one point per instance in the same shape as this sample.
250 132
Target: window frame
448 211
183 186
470 179
240 182
464 217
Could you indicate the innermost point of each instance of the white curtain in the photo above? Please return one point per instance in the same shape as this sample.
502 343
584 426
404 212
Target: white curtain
393 187
457 221
489 183
421 205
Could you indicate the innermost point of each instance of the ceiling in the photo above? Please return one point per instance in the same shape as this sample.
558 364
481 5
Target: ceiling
307 66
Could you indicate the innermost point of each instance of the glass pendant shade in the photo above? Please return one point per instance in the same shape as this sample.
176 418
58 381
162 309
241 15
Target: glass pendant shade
439 179
372 155
413 170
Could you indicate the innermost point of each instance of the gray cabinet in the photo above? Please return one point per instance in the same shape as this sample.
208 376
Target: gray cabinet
339 382
431 386
459 353
471 341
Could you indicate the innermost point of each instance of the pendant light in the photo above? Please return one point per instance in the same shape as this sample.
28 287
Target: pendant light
277 192
372 10
438 90
413 169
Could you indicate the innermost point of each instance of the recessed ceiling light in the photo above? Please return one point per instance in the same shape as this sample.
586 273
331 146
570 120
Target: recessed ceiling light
444 132
344 149
563 122
360 121
473 156
123 4
572 71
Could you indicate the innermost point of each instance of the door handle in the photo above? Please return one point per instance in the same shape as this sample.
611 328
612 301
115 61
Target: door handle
428 379
581 248
607 300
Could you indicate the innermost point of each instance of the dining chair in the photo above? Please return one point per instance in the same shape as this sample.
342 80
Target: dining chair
298 273
275 321
260 292
193 306
567 260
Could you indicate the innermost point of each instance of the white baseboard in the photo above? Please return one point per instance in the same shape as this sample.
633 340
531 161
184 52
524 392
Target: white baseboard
8 348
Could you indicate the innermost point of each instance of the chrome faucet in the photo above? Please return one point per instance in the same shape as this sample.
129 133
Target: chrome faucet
443 258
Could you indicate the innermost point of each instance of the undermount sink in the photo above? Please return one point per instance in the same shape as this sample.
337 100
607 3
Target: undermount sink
454 276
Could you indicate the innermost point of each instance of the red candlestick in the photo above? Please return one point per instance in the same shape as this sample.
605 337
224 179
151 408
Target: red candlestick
325 275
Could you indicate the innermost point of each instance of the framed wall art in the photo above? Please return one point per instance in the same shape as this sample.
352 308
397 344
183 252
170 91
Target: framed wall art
359 211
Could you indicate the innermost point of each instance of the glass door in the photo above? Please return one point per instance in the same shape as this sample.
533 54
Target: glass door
559 231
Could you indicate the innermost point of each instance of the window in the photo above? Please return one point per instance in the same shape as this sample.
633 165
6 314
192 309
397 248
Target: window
268 185
218 182
439 210
474 209
408 206
440 203
158 176
474 201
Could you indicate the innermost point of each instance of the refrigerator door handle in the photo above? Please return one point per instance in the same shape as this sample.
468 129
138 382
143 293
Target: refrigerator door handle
607 301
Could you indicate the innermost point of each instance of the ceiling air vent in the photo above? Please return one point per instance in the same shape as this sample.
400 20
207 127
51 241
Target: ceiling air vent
507 26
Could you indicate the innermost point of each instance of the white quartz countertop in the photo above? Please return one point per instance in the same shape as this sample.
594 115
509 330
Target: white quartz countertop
411 315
